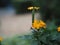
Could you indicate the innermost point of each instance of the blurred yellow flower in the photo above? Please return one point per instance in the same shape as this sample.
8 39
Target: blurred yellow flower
31 8
58 29
42 24
35 24
38 25
36 8
1 38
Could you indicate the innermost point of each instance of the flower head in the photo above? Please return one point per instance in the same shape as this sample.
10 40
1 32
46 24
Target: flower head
34 25
36 8
42 24
58 29
31 8
38 25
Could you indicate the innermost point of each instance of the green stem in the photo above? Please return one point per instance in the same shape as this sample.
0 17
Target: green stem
38 39
33 13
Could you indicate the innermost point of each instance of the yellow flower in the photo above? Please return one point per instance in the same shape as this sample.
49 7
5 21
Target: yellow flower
58 29
42 24
36 8
38 25
35 24
30 8
1 38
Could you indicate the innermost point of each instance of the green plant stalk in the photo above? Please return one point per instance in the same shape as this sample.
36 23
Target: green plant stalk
38 38
0 42
33 13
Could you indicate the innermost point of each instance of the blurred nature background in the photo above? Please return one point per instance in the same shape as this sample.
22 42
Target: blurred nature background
15 18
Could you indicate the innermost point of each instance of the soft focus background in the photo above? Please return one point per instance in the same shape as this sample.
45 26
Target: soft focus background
15 19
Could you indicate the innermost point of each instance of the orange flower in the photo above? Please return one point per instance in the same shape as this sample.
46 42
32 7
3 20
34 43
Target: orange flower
1 38
58 29
42 24
35 24
38 25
